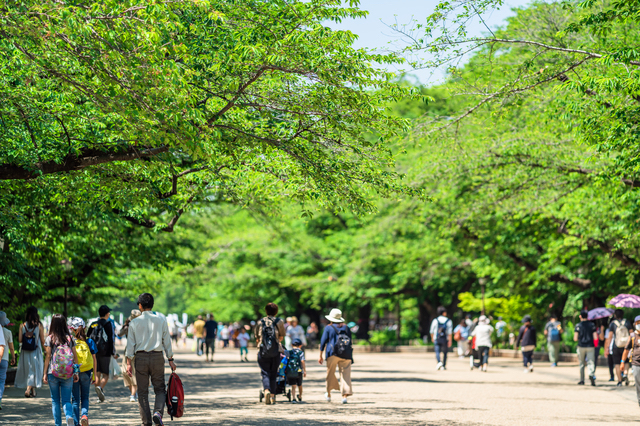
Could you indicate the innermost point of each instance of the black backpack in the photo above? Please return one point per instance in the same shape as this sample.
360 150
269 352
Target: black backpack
441 338
29 342
343 347
294 364
270 347
99 336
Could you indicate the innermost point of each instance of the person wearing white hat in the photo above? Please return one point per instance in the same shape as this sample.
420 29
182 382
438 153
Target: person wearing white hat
482 333
336 342
4 352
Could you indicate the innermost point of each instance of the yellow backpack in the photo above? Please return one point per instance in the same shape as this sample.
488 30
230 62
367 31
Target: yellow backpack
85 358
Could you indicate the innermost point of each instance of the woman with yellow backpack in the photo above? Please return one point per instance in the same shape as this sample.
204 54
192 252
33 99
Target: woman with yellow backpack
86 349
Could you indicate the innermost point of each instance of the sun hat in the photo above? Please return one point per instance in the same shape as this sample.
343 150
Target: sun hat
75 323
4 321
635 320
483 319
335 316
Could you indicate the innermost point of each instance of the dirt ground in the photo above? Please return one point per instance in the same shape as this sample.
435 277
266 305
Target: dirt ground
389 389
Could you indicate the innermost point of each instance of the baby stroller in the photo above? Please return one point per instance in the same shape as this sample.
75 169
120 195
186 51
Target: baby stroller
281 380
474 355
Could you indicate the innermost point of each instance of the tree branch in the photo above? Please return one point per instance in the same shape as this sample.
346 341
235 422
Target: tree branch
90 157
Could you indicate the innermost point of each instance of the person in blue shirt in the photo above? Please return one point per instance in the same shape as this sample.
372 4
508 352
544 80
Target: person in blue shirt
336 344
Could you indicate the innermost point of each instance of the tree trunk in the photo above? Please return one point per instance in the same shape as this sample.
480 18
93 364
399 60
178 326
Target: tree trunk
399 319
364 314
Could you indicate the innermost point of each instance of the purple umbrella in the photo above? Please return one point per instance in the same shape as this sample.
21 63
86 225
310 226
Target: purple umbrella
625 301
598 313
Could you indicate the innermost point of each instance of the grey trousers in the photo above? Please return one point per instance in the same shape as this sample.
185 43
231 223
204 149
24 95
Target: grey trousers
636 376
589 354
150 365
554 350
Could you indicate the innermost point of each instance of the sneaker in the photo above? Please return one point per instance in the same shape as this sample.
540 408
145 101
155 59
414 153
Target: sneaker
132 398
619 384
439 366
241 360
344 400
245 359
293 401
554 365
626 380
526 370
299 398
531 369
593 380
581 382
84 421
157 419
267 397
100 393
327 396
70 421
612 379
444 367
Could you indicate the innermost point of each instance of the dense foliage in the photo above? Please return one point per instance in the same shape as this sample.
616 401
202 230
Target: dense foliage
129 113
527 156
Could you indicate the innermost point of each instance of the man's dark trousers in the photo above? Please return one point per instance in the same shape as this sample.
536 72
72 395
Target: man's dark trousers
150 365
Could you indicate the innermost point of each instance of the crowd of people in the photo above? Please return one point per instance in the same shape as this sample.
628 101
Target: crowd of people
71 358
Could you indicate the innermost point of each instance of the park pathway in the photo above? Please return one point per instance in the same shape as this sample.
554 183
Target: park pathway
390 389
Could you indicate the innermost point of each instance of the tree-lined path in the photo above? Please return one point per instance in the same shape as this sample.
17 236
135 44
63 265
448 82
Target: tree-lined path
390 389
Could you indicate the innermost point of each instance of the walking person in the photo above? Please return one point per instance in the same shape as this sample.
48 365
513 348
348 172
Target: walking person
86 350
295 331
461 335
482 333
210 333
441 334
608 352
31 364
224 336
585 334
61 366
633 349
618 338
198 334
102 333
296 369
7 336
269 334
337 343
243 341
129 380
148 336
527 342
553 331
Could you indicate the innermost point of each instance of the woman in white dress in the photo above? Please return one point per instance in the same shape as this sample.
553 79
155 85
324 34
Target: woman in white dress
31 363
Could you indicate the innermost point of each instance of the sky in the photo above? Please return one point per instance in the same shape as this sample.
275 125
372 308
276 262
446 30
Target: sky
374 33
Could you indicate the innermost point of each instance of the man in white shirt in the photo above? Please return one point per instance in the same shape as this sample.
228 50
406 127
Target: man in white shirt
441 335
148 336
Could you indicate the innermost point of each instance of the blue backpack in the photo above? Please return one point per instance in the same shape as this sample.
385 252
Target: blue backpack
554 334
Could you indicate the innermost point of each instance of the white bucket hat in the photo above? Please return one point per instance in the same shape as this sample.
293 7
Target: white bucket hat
4 321
335 316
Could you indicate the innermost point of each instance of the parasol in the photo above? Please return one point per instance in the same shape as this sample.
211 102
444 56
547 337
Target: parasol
598 313
625 301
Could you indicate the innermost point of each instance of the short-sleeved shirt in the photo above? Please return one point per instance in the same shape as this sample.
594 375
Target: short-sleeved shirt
614 326
585 330
212 329
441 320
243 339
464 331
198 328
279 329
48 343
551 325
634 343
8 338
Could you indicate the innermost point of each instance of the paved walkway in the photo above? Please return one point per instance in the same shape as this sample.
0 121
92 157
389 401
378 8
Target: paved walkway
390 389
